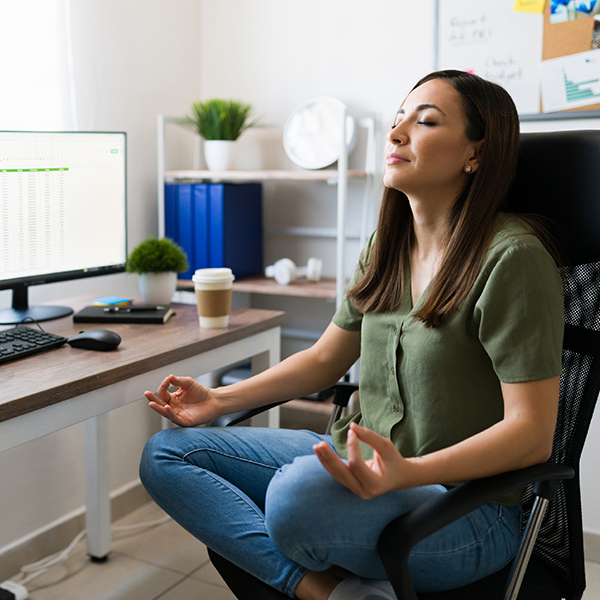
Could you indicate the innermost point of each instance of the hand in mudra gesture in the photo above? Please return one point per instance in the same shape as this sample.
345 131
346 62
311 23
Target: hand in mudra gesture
191 404
387 470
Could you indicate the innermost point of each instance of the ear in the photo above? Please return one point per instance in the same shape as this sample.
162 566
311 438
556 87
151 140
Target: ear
474 159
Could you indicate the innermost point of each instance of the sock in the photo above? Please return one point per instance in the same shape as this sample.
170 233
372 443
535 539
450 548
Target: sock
355 588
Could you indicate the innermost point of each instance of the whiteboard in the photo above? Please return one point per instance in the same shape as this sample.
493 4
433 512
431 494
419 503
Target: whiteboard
494 42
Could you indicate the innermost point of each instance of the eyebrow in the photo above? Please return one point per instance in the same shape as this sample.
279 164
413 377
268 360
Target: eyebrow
421 107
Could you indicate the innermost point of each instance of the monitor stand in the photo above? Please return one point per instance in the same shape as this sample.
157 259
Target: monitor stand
22 312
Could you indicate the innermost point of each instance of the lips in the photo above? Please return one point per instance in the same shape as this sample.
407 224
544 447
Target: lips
393 159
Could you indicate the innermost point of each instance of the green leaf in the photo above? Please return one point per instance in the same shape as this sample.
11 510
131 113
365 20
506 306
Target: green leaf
157 256
219 119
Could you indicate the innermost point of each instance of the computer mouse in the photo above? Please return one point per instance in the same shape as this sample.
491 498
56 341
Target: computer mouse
95 339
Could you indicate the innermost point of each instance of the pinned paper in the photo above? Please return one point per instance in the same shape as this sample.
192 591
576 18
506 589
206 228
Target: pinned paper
571 81
530 6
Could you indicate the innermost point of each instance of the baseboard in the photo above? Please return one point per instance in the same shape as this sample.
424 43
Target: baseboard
60 534
591 543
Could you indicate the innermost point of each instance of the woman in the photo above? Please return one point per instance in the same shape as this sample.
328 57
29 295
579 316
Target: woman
456 313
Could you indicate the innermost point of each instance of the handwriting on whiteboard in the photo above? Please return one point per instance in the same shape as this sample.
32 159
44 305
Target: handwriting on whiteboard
494 42
470 30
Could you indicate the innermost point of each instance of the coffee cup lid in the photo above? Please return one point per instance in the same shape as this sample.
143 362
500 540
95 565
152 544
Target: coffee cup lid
214 274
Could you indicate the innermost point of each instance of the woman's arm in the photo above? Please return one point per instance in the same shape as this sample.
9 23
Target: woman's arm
523 438
306 372
312 370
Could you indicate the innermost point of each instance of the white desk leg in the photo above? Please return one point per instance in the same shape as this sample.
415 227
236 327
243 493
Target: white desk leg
261 362
97 497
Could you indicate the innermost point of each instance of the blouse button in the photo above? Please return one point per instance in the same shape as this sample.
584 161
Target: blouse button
393 371
396 408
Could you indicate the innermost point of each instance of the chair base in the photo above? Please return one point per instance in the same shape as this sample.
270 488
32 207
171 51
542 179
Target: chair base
538 584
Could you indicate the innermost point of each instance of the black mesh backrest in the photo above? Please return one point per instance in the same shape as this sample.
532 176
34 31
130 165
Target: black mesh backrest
559 177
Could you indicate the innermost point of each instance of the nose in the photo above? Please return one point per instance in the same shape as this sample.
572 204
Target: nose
397 135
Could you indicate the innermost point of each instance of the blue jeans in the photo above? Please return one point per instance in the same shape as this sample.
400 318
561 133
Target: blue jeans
260 498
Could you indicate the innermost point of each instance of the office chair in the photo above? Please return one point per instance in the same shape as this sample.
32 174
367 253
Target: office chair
558 177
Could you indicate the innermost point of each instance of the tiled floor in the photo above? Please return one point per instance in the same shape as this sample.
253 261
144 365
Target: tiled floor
163 562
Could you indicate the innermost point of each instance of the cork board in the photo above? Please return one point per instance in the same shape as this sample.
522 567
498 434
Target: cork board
508 47
564 39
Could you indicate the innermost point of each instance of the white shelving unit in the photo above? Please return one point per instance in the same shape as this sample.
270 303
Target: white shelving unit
339 177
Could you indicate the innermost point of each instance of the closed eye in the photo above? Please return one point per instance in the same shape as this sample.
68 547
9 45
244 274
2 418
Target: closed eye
430 123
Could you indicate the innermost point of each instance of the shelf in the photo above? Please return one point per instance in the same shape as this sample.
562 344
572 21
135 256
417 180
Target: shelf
257 175
301 288
338 175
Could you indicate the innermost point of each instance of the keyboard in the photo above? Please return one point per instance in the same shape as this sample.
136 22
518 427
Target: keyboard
21 341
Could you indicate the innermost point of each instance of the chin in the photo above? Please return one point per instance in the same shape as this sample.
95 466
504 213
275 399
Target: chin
388 179
391 182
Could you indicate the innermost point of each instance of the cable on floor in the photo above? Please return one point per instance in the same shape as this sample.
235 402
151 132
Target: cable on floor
33 570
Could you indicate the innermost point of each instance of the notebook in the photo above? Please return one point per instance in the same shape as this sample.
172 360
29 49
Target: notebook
100 314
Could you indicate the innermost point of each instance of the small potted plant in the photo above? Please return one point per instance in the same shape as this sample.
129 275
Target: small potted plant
157 263
220 123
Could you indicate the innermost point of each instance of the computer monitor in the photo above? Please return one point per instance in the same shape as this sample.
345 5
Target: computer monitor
63 212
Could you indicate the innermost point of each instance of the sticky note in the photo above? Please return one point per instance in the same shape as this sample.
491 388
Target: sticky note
530 6
112 301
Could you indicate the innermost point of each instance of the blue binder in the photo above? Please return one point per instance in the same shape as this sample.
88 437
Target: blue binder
217 225
186 222
235 230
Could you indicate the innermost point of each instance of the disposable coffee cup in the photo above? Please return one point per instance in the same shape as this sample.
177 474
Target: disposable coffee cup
213 296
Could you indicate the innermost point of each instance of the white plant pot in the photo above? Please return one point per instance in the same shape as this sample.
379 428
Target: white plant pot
218 154
157 288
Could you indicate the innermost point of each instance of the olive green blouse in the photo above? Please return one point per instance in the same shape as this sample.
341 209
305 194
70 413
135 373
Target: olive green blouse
429 388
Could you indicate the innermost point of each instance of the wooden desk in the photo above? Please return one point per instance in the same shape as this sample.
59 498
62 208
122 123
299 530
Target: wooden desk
53 390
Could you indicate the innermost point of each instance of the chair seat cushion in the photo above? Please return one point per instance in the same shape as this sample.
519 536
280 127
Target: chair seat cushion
243 585
539 583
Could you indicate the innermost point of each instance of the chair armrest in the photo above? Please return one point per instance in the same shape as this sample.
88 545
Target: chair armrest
341 396
238 417
398 538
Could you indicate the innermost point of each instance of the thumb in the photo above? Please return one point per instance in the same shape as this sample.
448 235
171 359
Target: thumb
180 381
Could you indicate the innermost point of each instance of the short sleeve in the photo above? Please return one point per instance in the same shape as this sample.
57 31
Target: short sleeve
347 315
520 315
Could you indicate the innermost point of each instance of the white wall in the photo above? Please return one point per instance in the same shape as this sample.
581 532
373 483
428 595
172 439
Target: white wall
133 59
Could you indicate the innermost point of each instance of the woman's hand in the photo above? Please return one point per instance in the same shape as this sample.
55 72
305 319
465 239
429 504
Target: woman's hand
386 471
192 404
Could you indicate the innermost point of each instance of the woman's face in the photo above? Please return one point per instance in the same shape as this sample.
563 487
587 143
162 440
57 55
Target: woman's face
427 149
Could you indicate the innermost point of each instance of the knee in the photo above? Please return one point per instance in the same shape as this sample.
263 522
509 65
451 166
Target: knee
156 451
293 497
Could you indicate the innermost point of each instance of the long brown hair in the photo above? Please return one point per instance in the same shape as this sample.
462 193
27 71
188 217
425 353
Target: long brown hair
491 116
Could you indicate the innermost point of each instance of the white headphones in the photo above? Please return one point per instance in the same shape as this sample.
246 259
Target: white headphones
285 270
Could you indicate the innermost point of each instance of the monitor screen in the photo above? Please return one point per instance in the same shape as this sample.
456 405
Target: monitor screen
63 212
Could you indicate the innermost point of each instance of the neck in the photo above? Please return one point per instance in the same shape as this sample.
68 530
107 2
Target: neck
430 226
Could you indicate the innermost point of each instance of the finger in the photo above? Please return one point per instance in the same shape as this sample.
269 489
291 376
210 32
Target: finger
167 412
163 389
380 444
159 408
336 467
183 382
359 468
154 398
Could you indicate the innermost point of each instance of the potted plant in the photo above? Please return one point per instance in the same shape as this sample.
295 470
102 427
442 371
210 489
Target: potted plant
157 263
220 123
